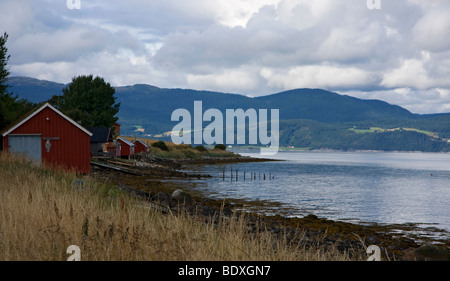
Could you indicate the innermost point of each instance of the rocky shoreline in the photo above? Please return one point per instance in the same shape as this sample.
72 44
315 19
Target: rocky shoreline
147 179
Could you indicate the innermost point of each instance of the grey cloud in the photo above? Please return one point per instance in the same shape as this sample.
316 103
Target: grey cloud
278 38
337 45
69 44
432 31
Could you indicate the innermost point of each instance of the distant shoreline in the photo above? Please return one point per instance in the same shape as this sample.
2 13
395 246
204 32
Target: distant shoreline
347 151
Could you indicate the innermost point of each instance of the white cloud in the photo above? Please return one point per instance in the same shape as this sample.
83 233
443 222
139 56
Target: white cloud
411 73
428 71
15 16
230 80
233 13
435 100
432 31
123 69
317 76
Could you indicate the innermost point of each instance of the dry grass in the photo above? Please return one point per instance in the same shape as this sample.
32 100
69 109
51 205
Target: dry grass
41 214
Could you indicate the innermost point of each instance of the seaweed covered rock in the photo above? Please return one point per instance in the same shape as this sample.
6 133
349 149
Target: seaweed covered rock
427 253
182 197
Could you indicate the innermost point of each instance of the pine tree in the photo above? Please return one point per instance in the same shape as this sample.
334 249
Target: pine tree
10 107
4 57
89 101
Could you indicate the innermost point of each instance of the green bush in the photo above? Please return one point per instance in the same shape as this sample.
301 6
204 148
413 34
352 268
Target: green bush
190 154
161 145
200 148
220 146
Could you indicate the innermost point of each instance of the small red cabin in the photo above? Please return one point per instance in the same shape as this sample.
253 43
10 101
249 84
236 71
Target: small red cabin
126 147
49 137
140 146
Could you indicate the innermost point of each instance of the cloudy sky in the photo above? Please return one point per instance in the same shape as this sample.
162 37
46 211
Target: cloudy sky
398 52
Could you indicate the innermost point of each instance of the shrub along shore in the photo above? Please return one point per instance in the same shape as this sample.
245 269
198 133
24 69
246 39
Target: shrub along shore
114 215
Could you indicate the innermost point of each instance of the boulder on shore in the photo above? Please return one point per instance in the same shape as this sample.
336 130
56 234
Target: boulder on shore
427 253
182 197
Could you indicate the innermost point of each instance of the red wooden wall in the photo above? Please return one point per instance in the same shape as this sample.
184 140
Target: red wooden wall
126 149
71 151
139 147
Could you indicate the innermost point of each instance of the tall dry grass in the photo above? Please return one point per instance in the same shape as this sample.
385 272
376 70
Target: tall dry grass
41 214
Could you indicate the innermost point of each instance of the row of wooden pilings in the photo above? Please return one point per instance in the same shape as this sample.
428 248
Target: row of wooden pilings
253 176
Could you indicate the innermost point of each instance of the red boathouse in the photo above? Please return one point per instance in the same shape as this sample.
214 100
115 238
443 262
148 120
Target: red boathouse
126 147
49 137
140 146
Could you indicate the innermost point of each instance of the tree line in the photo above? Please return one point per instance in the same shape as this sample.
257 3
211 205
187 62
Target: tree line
317 135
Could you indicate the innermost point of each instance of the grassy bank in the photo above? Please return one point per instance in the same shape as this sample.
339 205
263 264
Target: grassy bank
42 213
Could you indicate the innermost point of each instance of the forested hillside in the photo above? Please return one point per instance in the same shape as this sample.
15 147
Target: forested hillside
309 118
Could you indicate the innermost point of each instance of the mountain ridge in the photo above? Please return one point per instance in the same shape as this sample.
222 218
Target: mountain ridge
148 108
23 86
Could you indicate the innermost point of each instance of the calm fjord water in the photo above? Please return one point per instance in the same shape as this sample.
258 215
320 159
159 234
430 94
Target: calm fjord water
376 187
